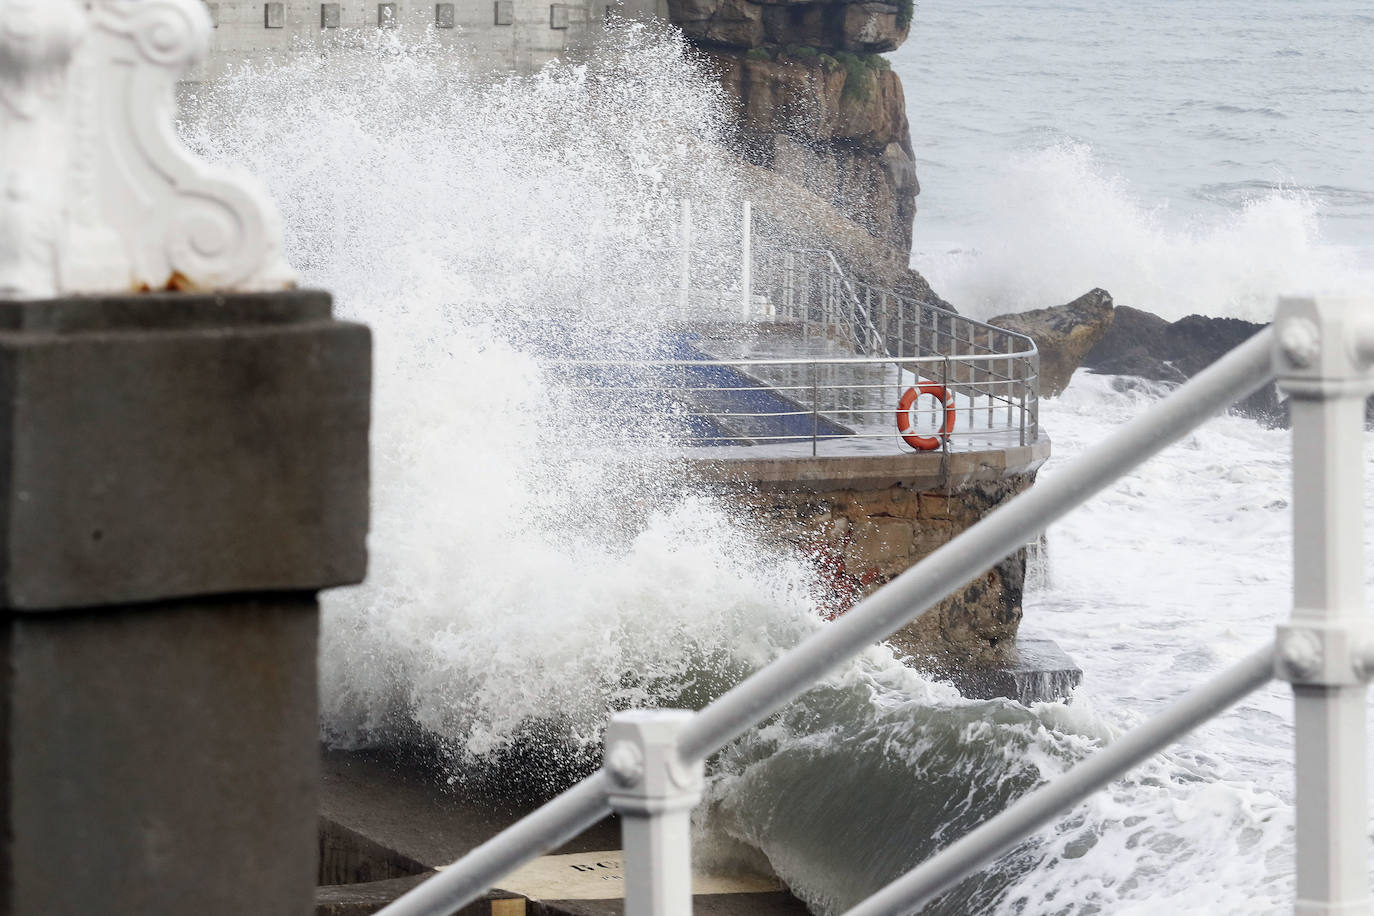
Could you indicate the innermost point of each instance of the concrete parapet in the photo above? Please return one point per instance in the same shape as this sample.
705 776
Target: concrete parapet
179 475
912 471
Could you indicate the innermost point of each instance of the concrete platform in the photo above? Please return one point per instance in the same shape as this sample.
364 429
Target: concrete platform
768 468
1037 671
388 824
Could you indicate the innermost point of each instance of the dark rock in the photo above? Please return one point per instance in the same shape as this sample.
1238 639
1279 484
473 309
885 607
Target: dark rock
1195 342
1146 346
737 23
1131 328
1065 334
866 27
1141 363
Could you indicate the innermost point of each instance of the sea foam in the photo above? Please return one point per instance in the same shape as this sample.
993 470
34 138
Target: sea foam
1060 223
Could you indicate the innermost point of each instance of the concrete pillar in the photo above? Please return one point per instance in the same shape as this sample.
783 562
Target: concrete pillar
179 475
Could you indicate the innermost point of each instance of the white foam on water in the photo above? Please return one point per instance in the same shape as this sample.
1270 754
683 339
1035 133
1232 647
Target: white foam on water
1061 223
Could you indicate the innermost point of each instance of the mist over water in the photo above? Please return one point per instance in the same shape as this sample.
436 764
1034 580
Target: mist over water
521 590
1065 224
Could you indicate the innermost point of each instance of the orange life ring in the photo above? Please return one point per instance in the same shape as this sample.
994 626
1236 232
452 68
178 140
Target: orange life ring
924 443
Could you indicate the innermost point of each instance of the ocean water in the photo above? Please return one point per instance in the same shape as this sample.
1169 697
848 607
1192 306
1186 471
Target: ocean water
1187 157
520 591
1190 158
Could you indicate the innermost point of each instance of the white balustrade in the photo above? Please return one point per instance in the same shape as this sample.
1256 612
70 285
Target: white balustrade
99 195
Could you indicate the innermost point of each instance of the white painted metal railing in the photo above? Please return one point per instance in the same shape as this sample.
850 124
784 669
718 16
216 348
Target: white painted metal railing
1322 353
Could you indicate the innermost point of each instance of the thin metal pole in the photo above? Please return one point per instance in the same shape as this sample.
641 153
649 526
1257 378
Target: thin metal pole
746 262
685 267
548 828
909 892
1024 386
901 323
815 407
1004 530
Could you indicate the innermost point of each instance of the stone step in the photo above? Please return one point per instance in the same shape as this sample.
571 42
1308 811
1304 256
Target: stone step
390 822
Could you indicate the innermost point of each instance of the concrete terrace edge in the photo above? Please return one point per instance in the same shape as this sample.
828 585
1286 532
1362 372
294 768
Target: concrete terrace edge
917 471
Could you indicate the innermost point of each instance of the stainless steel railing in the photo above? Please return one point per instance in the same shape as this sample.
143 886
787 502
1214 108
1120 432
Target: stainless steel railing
842 404
808 288
803 301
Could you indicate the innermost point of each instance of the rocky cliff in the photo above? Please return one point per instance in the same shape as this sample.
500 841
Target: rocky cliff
815 103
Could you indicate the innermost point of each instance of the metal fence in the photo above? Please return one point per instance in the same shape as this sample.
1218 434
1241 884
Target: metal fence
809 290
809 287
849 351
843 405
653 765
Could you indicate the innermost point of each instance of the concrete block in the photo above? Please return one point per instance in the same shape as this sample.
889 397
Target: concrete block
386 16
273 15
172 445
1037 672
178 475
443 16
160 759
505 12
329 15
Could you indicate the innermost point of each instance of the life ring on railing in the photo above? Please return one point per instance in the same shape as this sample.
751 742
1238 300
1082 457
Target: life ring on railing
924 443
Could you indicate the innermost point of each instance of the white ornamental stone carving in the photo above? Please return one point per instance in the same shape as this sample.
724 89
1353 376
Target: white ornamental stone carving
99 195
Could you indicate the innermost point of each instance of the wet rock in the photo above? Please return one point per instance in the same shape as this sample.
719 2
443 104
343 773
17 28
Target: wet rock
838 129
1132 329
813 100
871 27
1139 362
738 23
867 27
1146 346
1064 333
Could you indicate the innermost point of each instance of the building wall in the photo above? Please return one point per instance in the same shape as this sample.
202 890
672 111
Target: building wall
531 33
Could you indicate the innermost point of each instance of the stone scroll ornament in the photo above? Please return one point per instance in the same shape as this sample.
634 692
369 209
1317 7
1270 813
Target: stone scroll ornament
97 194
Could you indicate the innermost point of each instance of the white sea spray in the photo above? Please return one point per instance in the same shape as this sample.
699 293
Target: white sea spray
519 591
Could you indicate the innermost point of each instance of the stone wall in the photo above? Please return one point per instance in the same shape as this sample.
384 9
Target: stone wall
520 35
867 520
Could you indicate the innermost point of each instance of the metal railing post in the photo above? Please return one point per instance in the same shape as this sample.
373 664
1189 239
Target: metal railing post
685 266
1319 650
654 791
901 325
746 261
815 407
